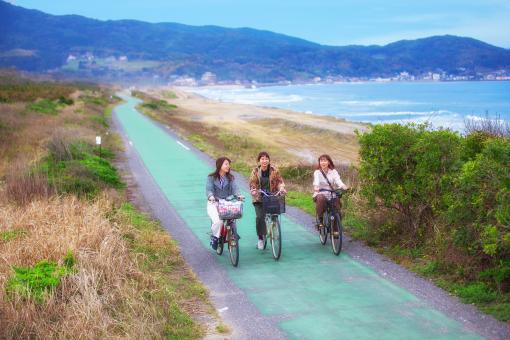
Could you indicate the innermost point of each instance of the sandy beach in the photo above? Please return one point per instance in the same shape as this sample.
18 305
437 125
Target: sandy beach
303 136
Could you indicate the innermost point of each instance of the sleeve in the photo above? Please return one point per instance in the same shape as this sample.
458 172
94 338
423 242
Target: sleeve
316 179
253 180
281 183
338 181
235 188
209 187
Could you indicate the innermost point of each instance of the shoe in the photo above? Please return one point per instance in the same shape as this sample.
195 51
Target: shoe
214 242
260 245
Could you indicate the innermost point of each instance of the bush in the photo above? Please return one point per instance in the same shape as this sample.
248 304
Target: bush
407 168
40 280
159 105
479 206
45 106
83 172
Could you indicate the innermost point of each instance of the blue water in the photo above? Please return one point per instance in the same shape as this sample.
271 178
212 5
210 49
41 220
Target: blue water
446 104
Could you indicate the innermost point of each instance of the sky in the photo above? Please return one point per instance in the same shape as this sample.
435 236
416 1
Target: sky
328 22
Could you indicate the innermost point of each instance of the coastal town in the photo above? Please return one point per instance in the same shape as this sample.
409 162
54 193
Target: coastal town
119 66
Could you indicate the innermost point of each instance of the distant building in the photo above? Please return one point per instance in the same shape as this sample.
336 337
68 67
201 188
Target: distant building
71 57
208 78
123 58
185 81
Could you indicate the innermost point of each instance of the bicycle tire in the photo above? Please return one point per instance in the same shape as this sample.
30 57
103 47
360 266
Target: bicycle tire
233 246
323 232
276 238
221 242
336 241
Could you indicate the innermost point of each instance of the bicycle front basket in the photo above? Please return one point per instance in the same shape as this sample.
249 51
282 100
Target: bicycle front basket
230 210
273 204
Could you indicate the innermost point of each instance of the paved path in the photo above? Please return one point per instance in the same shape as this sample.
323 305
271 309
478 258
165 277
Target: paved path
308 294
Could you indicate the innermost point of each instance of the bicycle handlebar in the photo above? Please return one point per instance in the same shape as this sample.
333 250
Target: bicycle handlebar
231 198
339 191
279 193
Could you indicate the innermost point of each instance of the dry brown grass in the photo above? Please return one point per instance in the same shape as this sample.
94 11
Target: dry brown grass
83 304
103 298
115 292
22 185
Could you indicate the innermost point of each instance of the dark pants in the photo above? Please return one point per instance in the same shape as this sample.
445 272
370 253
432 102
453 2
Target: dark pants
260 220
321 203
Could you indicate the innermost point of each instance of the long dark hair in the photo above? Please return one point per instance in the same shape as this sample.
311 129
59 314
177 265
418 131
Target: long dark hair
219 163
262 154
331 165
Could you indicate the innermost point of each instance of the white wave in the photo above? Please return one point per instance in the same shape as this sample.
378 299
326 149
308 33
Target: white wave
249 96
405 113
377 102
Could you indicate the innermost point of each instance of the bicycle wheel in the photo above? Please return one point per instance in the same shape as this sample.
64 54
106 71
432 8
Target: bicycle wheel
276 237
221 242
266 236
336 234
323 232
233 245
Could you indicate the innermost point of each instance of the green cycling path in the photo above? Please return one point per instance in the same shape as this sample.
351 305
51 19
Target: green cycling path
310 293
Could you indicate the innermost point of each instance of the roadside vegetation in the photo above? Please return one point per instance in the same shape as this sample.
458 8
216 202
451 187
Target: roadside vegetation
435 201
79 260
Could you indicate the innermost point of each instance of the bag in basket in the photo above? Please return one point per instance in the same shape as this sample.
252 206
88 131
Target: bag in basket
229 210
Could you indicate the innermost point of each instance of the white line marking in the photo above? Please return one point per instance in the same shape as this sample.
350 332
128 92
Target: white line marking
222 309
184 146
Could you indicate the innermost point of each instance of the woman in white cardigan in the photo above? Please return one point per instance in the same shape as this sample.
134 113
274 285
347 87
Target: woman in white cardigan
325 173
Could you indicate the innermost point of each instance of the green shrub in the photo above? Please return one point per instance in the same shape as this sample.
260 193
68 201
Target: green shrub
159 105
102 170
408 168
479 206
84 173
40 280
95 100
169 94
477 292
65 101
7 235
45 106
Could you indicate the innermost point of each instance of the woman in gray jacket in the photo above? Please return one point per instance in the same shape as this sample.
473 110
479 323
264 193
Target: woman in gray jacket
220 184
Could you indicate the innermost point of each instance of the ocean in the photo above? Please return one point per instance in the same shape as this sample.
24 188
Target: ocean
443 104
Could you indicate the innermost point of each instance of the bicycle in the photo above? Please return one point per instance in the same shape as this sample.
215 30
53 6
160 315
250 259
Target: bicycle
274 206
332 222
229 211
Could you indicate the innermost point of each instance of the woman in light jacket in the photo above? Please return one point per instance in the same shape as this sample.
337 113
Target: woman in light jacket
325 173
220 185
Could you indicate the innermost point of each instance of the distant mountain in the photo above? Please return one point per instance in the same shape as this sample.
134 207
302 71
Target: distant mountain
34 41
